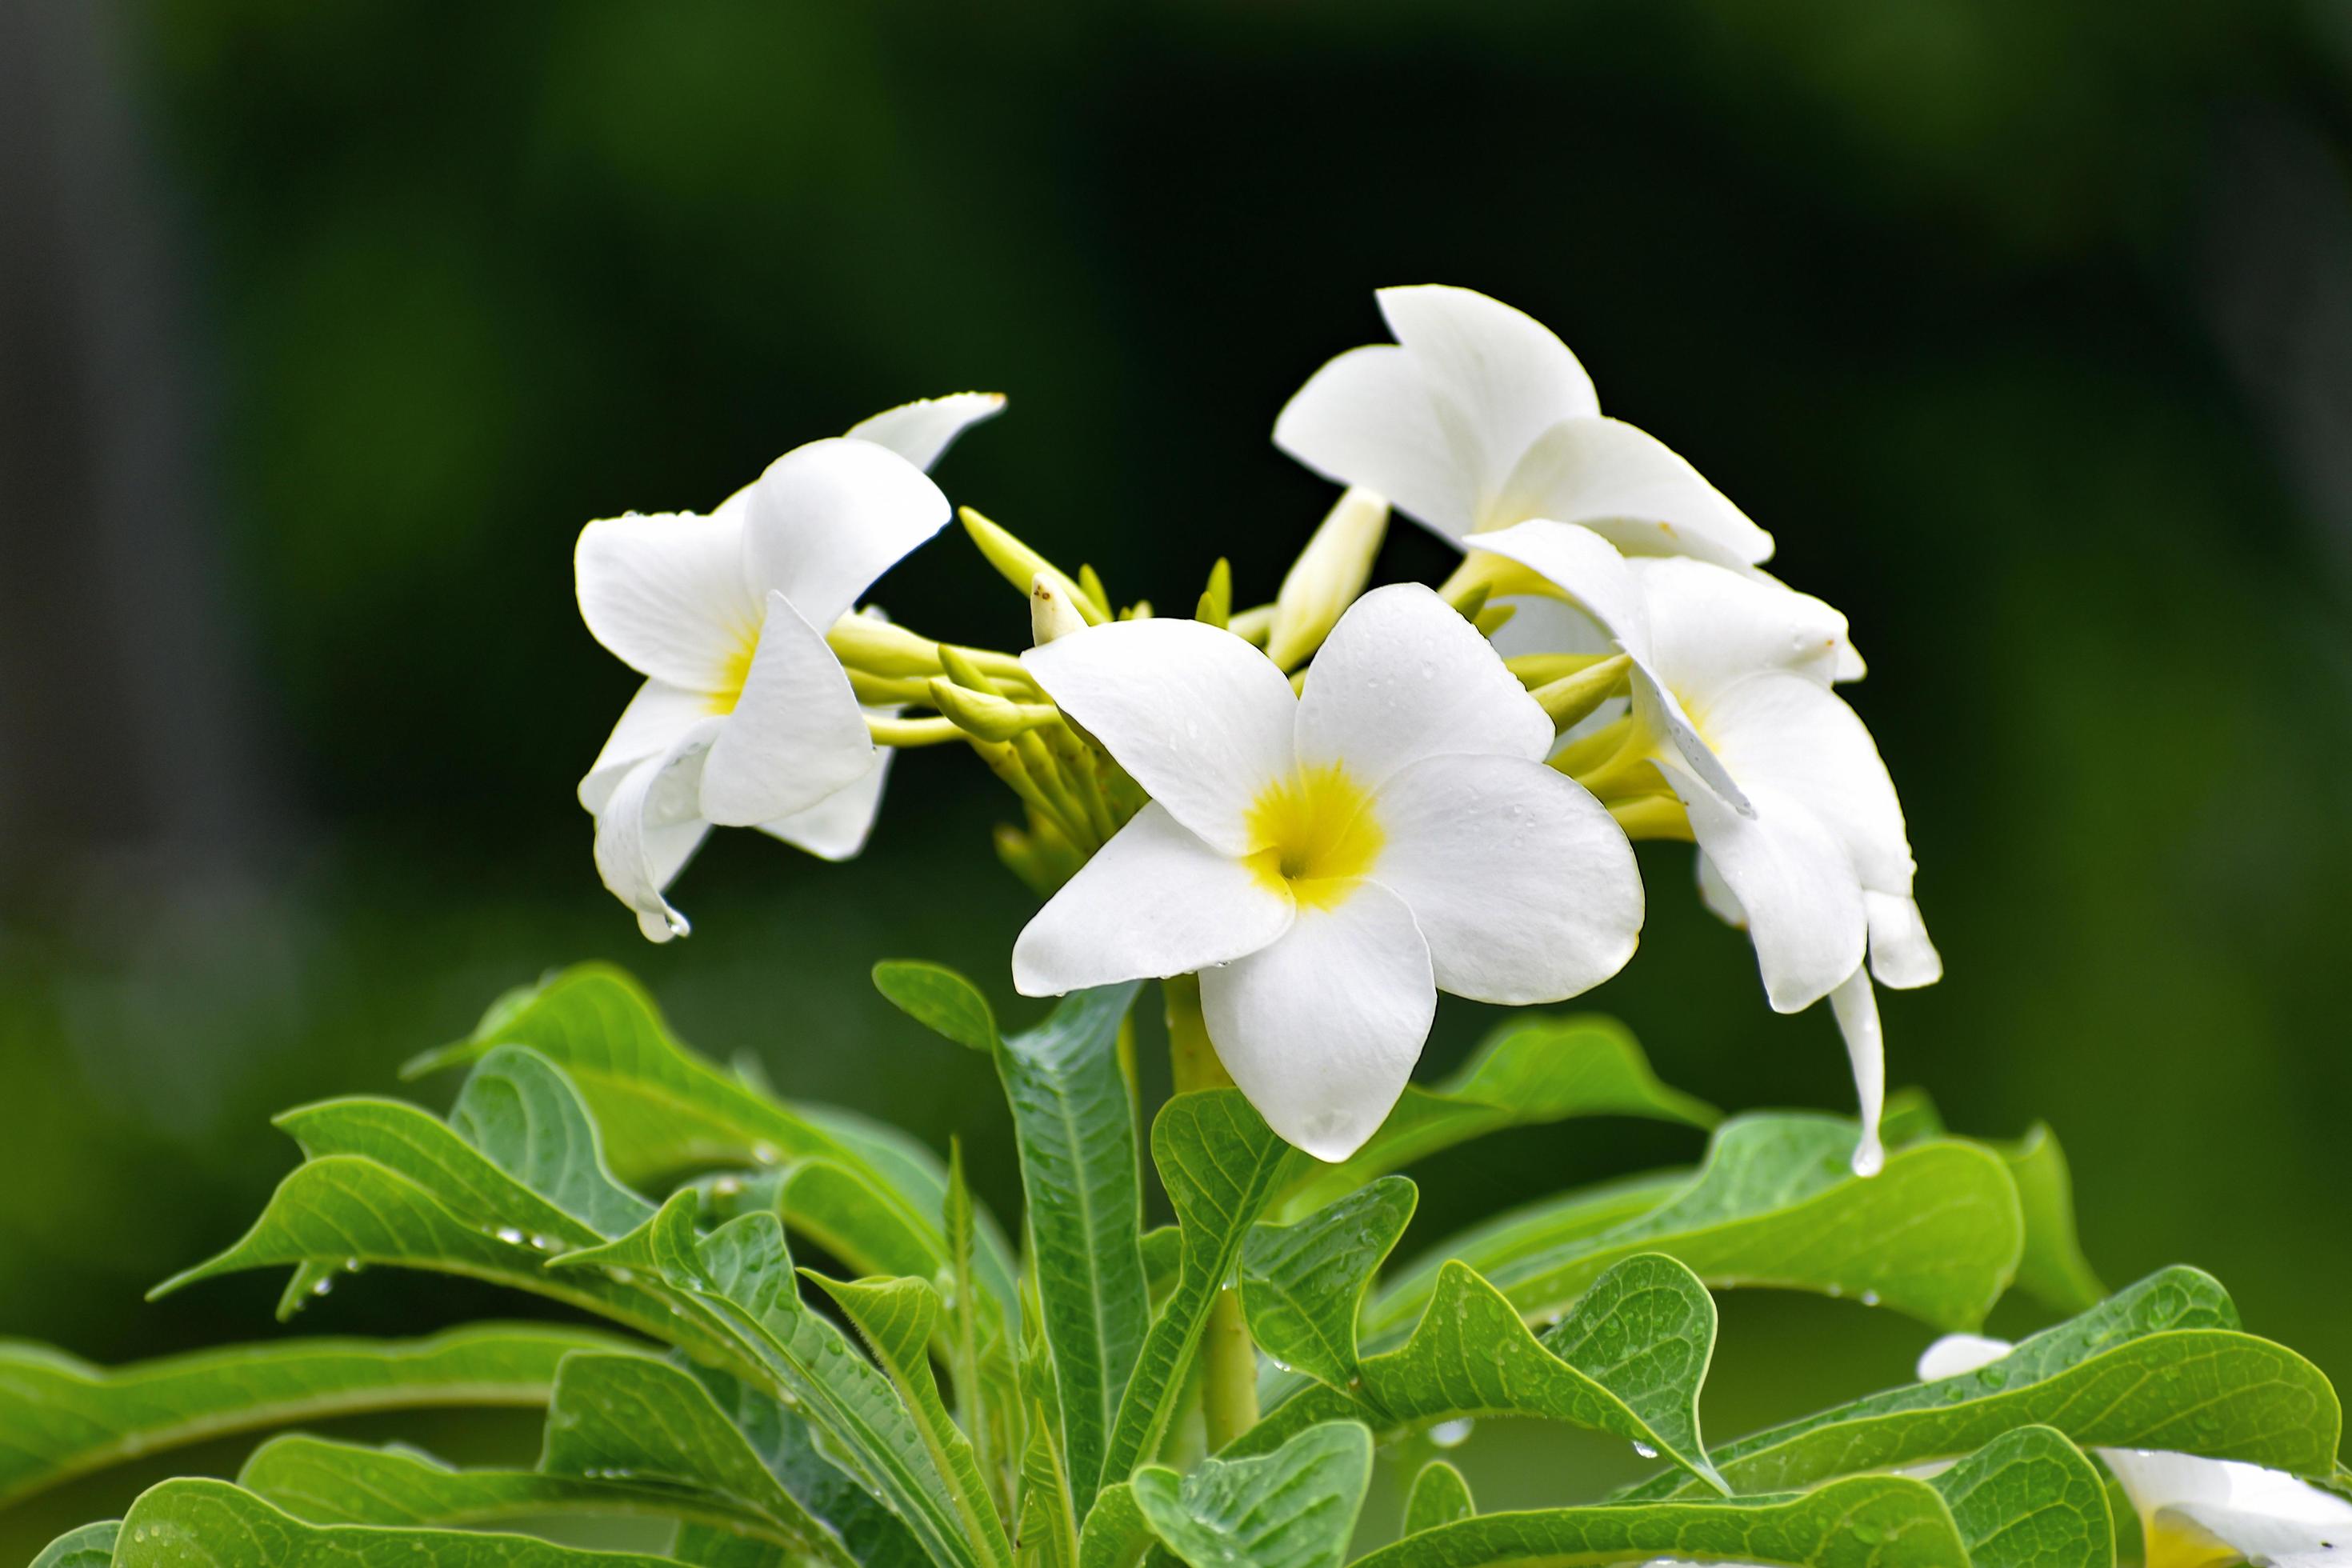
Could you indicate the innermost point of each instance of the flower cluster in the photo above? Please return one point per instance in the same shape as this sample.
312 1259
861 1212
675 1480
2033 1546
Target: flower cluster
1330 807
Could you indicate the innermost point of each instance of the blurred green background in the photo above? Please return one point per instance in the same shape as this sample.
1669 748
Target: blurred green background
2026 327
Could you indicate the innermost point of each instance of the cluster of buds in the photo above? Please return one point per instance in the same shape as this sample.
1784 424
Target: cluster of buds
1330 806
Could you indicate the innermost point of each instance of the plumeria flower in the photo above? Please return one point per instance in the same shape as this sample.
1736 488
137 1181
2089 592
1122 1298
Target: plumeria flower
1479 418
1329 862
746 717
1801 837
2196 1512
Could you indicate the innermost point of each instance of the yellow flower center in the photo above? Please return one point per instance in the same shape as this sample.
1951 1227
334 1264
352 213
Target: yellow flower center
734 673
2173 1542
1318 836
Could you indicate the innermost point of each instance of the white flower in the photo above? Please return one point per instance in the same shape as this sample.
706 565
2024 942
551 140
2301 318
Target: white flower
2195 1512
1479 418
746 717
1329 862
1801 834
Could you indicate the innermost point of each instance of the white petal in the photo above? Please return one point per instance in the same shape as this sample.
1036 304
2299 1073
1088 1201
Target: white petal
1154 901
2154 1480
1957 1354
1710 626
1504 371
666 595
650 827
1365 419
1630 490
1522 884
1200 718
2265 1539
658 715
1322 1029
1784 732
829 518
1403 676
1791 876
922 431
795 736
1585 567
1657 711
1717 895
1540 622
1857 1006
1901 956
836 828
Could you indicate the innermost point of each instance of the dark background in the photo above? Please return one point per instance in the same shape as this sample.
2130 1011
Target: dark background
2027 327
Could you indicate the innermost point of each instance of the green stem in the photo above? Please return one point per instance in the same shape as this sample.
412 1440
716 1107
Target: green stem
1228 1356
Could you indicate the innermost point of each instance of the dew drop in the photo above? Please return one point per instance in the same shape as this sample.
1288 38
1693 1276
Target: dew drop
1644 1450
509 1235
766 1153
321 1287
1452 1434
1870 1298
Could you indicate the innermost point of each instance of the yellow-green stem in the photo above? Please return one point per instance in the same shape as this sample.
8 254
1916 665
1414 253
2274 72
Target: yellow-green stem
1228 1356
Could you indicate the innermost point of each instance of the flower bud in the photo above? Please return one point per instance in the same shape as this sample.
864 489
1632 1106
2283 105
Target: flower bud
1050 614
1021 566
1574 697
988 717
1326 576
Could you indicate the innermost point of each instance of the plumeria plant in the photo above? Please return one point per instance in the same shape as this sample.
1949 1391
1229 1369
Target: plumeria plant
1298 822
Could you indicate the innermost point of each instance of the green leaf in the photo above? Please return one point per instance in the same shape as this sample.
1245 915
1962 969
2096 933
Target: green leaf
344 1211
1294 1507
631 1419
2052 1270
91 1546
518 1108
322 1482
61 1418
980 1356
2158 1365
1529 1072
1303 1285
2029 1498
1074 1122
518 1157
1936 1234
706 1547
897 1319
1873 1522
788 1446
1628 1360
737 1286
1116 1534
193 1522
1219 1164
663 1111
1439 1496
940 1000
1048 1531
